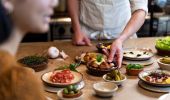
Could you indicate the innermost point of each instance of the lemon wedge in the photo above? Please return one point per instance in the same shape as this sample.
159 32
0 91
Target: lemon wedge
167 81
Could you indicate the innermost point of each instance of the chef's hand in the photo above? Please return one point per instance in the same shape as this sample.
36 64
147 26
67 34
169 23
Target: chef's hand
80 39
116 53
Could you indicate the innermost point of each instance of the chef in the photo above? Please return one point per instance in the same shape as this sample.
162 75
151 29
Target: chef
107 19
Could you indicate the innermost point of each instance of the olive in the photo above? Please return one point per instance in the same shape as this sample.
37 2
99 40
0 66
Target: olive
65 91
74 87
70 87
71 92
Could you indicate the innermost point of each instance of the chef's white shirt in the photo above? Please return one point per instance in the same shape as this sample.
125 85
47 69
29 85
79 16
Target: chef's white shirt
106 19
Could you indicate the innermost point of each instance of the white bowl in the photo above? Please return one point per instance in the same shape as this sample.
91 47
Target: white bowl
116 82
163 66
105 89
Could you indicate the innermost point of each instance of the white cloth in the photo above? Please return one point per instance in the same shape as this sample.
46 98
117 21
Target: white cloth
106 19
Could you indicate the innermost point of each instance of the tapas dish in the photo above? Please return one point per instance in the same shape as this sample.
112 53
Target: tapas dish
115 76
97 63
164 63
137 54
62 78
37 63
105 89
163 46
134 69
156 78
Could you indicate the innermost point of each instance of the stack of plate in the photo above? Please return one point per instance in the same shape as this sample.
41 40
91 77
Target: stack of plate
138 56
154 87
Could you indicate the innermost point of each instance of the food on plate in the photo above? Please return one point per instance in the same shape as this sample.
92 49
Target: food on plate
158 77
53 52
134 69
97 60
65 76
71 91
136 53
114 75
163 44
38 63
165 60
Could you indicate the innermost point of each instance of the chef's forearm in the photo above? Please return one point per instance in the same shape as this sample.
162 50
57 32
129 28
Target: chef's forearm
134 24
73 9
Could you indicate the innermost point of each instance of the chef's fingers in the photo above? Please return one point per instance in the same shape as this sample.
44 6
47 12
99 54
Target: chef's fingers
112 54
106 52
80 43
119 58
87 41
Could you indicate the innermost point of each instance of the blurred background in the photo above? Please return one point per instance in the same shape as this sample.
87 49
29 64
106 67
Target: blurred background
157 23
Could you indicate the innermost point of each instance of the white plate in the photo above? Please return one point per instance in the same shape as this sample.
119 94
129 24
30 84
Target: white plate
131 54
59 94
165 97
52 89
46 79
146 73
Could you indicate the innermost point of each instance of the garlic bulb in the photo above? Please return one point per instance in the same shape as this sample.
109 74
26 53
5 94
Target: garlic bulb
53 52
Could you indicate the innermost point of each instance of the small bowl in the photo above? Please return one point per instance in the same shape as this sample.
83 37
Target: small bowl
133 72
162 52
163 66
116 82
105 89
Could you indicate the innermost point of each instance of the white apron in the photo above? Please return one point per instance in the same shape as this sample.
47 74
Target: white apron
104 19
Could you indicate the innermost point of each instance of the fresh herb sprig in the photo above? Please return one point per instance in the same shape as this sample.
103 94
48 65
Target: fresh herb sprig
99 58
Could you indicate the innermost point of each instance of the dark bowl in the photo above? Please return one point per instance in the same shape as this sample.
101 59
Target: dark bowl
98 71
99 46
162 52
38 67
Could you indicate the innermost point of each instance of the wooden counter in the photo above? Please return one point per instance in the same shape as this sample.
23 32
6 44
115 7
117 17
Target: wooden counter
129 91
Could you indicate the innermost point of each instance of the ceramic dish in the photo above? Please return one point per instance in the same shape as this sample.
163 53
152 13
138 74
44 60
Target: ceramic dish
163 66
137 54
165 97
60 95
146 73
46 79
116 82
152 88
162 52
105 89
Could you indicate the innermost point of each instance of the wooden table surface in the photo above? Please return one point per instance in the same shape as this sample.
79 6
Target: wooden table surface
130 89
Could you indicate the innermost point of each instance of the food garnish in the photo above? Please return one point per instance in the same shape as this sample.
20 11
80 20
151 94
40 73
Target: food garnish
134 66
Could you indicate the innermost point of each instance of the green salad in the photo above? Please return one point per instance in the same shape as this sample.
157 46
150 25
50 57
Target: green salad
134 66
163 44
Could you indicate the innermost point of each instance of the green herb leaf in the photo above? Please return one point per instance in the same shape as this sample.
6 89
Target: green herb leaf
99 58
